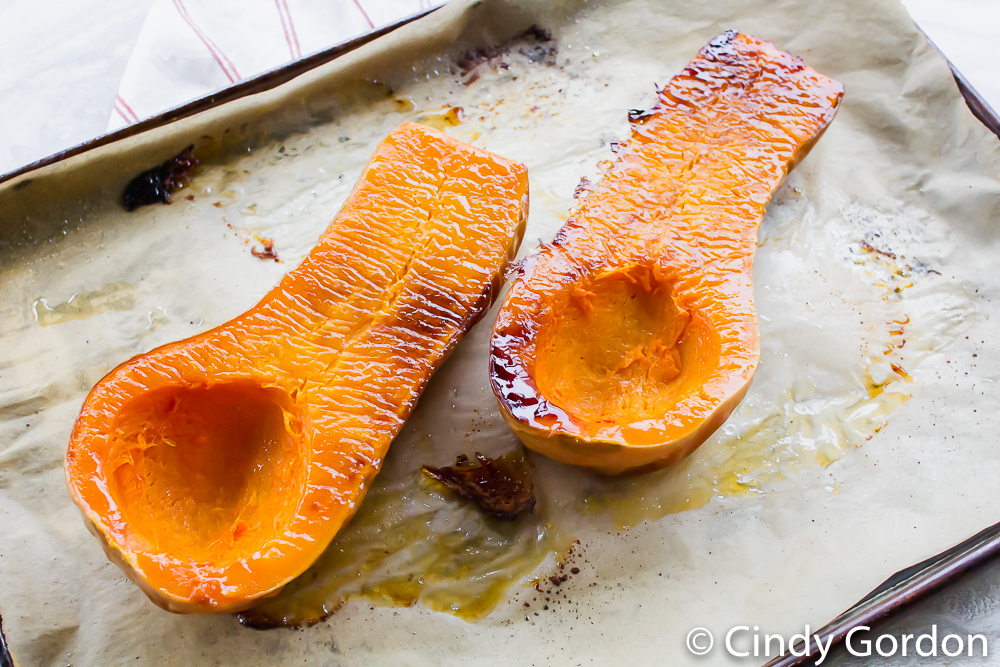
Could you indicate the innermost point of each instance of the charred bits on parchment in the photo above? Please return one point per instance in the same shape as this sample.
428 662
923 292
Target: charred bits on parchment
155 185
500 487
268 251
536 45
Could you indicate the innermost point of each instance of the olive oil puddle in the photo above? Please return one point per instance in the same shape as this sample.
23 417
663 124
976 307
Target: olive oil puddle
795 436
116 296
411 540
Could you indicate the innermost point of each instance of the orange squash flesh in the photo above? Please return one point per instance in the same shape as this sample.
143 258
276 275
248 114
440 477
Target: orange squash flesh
626 342
218 468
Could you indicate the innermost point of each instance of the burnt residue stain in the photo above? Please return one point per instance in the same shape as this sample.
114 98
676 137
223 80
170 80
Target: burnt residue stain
155 185
499 487
922 267
536 44
543 50
268 251
866 245
548 592
256 621
582 188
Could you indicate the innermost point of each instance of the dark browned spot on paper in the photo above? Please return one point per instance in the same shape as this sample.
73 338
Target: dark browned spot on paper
870 248
501 488
268 251
155 185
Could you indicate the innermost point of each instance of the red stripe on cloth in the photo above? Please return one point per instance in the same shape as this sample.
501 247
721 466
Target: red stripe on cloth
216 52
128 121
291 29
361 9
286 25
124 105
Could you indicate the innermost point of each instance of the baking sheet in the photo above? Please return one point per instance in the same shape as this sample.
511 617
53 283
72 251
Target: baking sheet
836 471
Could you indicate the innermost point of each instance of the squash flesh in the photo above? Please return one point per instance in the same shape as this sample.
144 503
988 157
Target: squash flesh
630 338
218 468
201 466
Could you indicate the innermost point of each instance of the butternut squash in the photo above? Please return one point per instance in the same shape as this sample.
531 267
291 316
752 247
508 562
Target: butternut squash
627 341
216 469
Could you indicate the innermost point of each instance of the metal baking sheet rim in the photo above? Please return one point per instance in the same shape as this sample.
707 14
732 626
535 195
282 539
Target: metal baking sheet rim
898 591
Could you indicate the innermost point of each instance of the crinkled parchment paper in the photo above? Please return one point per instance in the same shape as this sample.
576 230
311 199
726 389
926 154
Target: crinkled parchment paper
866 443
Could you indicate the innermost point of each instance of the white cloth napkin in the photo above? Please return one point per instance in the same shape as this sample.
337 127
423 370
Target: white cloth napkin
189 48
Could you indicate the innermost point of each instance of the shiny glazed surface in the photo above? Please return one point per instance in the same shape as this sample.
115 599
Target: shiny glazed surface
218 468
629 339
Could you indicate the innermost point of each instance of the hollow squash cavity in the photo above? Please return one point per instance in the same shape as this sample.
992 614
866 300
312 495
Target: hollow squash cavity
199 470
614 348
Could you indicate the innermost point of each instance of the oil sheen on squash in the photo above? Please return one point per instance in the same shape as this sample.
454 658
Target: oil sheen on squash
218 468
629 340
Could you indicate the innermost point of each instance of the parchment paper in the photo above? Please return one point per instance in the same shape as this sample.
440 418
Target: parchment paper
837 470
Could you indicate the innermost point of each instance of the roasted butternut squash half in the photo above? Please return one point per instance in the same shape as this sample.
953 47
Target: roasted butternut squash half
624 343
216 469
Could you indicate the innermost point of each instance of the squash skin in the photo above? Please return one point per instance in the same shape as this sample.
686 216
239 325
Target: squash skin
583 374
300 396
